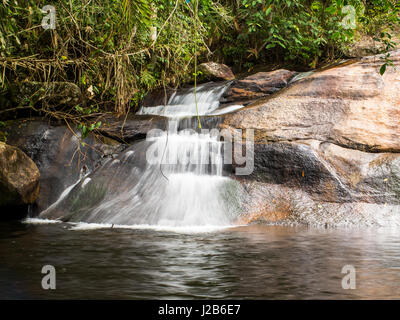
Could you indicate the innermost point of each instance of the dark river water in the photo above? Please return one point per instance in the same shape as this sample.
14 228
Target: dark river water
254 262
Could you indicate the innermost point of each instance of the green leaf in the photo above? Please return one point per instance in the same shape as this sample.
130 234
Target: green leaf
382 70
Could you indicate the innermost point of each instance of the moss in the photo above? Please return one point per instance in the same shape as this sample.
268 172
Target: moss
85 198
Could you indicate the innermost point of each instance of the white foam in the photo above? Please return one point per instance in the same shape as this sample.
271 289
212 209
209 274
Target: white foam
85 182
226 110
64 194
128 154
81 226
40 221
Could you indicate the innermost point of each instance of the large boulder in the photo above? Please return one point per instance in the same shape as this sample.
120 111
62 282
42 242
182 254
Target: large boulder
327 148
59 154
216 71
352 106
256 86
19 179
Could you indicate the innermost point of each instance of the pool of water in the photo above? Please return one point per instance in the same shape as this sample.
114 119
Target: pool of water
250 262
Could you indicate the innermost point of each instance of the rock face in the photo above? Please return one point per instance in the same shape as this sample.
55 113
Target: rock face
256 86
216 71
133 127
327 147
59 155
352 106
19 179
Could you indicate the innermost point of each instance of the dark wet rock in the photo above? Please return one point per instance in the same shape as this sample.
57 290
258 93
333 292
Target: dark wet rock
207 123
296 165
327 172
106 182
257 86
158 97
215 71
134 127
59 155
19 180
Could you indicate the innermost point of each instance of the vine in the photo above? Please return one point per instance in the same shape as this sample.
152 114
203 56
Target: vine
196 7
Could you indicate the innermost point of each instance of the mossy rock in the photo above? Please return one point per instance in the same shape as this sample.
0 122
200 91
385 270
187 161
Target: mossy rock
54 94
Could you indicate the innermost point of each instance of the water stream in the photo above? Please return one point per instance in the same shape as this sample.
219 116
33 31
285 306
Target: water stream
174 178
182 103
252 262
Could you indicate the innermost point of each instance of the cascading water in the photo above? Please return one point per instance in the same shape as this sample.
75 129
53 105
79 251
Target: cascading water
172 179
182 104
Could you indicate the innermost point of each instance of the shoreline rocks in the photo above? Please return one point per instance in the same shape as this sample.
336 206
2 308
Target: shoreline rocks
58 154
329 141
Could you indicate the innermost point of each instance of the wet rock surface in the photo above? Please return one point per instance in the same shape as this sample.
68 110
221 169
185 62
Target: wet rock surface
158 97
133 128
257 86
327 172
59 155
19 181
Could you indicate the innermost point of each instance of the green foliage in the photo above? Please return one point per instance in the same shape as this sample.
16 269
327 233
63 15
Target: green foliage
109 48
304 32
380 16
300 31
86 127
105 44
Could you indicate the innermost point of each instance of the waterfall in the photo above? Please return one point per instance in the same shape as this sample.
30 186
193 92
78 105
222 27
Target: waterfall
174 178
182 103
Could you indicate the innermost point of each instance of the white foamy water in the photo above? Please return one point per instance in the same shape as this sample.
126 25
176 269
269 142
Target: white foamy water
40 221
82 226
184 104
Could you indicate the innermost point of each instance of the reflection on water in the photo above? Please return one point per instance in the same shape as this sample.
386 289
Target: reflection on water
258 262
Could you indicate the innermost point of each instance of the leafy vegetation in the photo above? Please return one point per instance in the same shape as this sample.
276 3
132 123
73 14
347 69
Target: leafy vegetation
305 32
118 50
